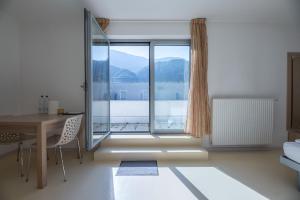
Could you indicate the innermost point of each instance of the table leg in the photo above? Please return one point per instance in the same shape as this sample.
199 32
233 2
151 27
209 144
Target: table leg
41 152
298 178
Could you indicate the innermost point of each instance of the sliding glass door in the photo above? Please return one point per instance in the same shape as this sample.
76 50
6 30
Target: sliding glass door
129 87
97 82
135 87
170 84
149 84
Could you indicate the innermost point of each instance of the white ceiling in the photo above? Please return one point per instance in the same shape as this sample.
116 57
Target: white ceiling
283 11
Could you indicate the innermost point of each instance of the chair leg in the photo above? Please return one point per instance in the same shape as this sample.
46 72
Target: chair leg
62 163
48 158
21 160
18 152
28 165
79 150
56 156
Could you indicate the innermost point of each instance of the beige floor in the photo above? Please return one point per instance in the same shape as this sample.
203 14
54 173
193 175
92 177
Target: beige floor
227 175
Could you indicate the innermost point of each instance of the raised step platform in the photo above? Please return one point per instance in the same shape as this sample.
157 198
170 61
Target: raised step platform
148 147
151 153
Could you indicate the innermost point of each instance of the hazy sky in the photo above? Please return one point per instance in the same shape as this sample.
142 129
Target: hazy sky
172 51
143 51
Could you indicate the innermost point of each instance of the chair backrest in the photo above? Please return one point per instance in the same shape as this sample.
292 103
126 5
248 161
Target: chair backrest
71 129
10 135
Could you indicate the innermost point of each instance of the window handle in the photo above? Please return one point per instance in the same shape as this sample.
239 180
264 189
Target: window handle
84 86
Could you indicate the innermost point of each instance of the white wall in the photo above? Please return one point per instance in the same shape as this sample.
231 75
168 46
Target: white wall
41 52
52 56
9 68
245 59
53 64
250 60
148 30
138 111
9 64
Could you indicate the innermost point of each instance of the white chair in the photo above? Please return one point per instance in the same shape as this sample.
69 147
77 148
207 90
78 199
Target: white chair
11 135
69 133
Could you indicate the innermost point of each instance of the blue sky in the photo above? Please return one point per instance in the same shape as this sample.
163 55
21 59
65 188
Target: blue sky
143 51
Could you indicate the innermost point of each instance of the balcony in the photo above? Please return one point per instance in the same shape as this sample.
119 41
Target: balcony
133 116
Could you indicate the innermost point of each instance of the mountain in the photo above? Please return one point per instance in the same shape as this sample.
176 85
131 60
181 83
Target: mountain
166 69
172 70
166 59
100 71
143 74
127 61
122 75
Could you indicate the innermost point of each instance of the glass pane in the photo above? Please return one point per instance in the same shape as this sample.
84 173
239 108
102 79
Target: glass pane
129 88
100 83
171 74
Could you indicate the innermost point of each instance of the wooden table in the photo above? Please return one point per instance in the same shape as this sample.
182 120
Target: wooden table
40 124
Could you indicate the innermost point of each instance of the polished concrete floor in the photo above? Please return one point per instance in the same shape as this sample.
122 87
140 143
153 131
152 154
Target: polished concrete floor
227 175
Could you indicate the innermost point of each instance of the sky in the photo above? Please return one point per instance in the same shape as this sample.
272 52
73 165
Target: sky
172 51
142 51
100 52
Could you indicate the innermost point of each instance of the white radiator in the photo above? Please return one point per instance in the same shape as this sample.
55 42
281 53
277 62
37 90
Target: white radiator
242 121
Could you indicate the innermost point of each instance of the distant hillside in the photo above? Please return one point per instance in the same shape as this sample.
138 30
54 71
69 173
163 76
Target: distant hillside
143 74
127 61
166 70
122 75
100 71
171 70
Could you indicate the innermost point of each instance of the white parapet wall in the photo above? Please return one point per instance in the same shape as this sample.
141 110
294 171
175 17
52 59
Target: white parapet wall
123 111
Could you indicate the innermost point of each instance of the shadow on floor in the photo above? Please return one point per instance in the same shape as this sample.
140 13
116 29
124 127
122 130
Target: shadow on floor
197 193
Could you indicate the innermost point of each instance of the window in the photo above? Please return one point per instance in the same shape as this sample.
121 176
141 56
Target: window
144 95
129 71
171 84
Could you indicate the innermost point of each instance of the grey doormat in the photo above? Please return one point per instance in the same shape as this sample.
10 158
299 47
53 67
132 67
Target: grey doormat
138 168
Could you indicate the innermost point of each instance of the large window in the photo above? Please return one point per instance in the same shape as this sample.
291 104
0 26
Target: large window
129 87
170 85
149 85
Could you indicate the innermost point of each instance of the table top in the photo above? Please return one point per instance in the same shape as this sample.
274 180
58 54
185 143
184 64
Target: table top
32 119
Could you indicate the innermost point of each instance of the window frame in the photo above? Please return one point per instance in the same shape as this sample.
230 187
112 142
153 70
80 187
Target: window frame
152 43
152 83
134 43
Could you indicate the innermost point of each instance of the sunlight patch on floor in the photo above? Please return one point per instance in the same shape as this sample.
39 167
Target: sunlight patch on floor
163 187
216 185
178 183
185 151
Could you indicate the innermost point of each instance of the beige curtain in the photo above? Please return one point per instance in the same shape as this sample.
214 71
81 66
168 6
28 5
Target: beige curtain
198 117
103 22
